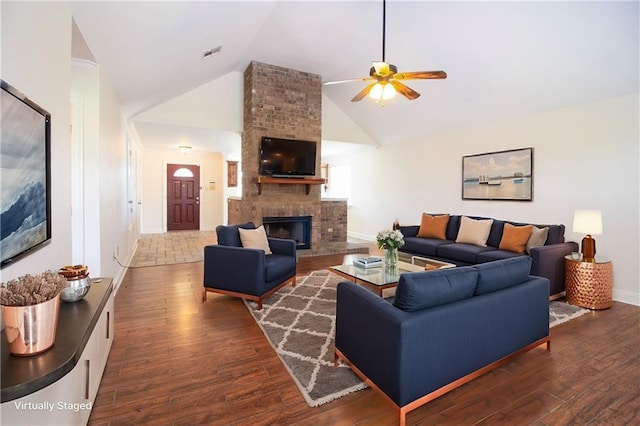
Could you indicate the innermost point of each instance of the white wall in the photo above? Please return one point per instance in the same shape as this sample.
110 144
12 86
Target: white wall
36 55
36 49
86 84
585 156
107 230
113 182
198 107
154 187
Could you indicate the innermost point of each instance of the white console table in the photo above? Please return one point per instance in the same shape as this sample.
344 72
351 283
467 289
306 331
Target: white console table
60 385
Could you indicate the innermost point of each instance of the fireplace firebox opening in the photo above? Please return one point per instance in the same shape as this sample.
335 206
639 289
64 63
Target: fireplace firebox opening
297 228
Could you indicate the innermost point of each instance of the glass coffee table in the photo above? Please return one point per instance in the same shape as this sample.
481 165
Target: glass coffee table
383 277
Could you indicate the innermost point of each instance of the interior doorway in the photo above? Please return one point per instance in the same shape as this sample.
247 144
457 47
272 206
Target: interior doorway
183 197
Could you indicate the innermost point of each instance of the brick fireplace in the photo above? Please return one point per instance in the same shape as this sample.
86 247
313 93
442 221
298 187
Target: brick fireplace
297 228
284 103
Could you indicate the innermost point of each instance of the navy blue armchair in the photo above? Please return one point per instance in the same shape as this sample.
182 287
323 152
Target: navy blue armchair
248 273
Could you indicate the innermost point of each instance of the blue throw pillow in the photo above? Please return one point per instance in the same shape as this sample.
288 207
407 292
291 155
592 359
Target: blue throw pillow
500 274
228 235
421 290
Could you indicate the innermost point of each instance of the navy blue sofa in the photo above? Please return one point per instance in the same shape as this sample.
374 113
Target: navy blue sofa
443 329
547 261
248 273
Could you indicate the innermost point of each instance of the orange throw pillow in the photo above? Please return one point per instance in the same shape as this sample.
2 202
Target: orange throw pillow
434 226
514 238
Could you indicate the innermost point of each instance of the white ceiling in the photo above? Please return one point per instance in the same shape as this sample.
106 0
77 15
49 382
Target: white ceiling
503 59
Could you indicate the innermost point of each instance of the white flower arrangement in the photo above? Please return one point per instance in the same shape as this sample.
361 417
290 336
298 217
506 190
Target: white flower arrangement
390 239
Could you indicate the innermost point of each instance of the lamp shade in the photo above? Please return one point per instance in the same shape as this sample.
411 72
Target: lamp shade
587 222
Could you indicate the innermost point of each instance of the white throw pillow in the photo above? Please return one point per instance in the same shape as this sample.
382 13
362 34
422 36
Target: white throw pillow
474 231
255 238
538 238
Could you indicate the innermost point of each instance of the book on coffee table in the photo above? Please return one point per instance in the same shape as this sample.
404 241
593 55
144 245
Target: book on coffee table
368 262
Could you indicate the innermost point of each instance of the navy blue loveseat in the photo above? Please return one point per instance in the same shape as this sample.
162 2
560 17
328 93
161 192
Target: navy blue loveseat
546 261
443 329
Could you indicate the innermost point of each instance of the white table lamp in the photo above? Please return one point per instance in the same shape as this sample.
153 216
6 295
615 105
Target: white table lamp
588 222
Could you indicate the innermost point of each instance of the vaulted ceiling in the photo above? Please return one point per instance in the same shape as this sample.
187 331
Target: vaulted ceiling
503 59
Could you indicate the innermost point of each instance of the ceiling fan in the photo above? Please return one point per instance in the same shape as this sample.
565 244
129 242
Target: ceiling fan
386 80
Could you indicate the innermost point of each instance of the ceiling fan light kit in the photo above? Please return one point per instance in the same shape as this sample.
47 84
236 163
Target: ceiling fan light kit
385 76
382 91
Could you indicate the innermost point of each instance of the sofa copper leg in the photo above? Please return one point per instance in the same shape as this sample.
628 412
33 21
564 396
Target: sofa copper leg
204 296
260 304
335 359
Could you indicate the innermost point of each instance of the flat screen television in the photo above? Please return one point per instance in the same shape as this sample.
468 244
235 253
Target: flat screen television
25 159
287 157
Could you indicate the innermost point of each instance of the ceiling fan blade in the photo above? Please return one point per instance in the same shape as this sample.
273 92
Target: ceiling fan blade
420 75
382 69
327 83
364 92
405 91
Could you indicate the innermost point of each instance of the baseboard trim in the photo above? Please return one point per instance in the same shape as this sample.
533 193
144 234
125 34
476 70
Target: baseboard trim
627 297
117 280
359 236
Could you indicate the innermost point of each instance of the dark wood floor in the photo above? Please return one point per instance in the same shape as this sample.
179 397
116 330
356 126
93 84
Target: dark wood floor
176 360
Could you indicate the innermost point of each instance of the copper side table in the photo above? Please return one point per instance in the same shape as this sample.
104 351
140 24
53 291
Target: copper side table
589 284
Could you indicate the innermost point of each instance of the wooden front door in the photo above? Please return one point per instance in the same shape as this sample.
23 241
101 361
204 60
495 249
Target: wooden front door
183 197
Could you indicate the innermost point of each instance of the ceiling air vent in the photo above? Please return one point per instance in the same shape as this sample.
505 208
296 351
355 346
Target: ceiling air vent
211 52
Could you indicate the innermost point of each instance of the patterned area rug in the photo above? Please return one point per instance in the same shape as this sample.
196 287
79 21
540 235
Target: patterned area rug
299 322
560 312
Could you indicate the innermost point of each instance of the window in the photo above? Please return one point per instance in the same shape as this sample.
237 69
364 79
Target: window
183 173
340 177
232 174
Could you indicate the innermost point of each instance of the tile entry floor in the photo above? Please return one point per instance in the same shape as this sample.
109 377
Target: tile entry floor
187 246
172 247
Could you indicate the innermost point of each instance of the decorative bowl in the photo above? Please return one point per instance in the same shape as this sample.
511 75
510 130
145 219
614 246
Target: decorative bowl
76 289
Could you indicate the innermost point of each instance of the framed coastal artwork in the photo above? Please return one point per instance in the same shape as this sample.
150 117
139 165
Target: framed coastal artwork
25 147
500 175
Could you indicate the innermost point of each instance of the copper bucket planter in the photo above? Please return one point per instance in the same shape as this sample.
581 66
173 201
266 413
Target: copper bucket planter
31 330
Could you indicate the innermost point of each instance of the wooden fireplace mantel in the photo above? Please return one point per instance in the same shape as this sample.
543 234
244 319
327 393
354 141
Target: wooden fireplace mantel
289 181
